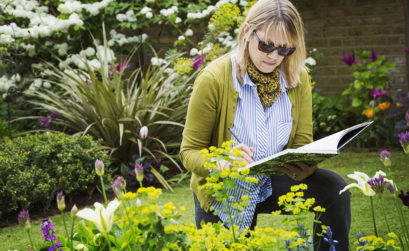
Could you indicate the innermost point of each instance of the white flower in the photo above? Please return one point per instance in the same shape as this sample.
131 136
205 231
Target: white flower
149 15
102 217
243 3
121 17
181 38
89 52
81 247
361 184
145 10
310 61
194 52
178 20
189 32
94 64
46 85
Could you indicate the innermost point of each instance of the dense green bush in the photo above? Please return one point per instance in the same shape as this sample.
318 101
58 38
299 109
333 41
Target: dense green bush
35 167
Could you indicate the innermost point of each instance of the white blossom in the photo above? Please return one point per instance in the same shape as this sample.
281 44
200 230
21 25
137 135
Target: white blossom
311 61
189 32
46 85
178 20
168 12
181 38
194 52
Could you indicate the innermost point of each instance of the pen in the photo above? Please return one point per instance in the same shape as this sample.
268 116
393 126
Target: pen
234 135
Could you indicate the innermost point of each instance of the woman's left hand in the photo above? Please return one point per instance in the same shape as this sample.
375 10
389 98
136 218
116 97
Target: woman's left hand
298 171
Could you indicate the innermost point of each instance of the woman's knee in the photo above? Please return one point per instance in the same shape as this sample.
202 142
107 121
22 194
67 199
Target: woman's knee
328 182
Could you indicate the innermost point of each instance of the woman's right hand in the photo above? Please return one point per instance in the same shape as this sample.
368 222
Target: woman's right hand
246 156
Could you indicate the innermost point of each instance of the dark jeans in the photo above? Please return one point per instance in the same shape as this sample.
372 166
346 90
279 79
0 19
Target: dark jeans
324 186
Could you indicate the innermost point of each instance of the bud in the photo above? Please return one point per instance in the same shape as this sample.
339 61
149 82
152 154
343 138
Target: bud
61 201
404 141
24 219
143 133
139 171
99 167
74 211
386 158
81 247
118 187
390 188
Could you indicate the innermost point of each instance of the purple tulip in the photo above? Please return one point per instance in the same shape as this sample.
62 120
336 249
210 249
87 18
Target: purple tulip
348 59
404 197
374 56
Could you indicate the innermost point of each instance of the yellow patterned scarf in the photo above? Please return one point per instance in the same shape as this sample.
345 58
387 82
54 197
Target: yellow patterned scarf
268 84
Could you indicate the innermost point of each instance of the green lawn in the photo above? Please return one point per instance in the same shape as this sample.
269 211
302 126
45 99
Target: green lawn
12 238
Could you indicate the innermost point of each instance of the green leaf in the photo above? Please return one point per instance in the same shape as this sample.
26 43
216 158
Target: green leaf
356 102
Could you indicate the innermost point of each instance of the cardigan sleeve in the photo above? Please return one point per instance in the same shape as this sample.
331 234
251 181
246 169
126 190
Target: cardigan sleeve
303 133
200 123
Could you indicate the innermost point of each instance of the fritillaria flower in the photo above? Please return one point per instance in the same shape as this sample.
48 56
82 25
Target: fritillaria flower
404 141
99 167
348 59
374 56
61 201
101 217
119 186
139 172
24 219
198 61
375 94
407 50
386 158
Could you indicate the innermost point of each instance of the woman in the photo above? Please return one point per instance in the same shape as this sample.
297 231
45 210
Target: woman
262 92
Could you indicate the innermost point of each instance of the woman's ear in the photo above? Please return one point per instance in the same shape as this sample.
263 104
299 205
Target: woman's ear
246 27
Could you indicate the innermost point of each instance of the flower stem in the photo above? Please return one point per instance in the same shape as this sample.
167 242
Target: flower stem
230 216
103 190
65 225
72 232
373 217
384 214
29 237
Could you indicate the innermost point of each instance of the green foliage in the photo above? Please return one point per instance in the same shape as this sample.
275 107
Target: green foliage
33 168
330 114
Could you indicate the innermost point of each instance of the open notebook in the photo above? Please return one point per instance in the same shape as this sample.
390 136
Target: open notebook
311 154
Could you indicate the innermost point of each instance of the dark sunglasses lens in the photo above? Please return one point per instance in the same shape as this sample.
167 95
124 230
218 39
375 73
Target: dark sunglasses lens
285 51
267 48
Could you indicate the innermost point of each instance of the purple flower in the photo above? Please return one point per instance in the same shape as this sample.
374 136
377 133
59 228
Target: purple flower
389 187
375 94
407 50
24 218
61 201
377 184
386 158
404 198
139 172
46 121
118 186
404 141
329 239
361 243
47 229
198 61
118 68
348 59
374 56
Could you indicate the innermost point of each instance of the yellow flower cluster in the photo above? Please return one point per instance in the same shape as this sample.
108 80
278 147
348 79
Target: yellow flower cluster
294 202
183 65
153 193
377 243
224 18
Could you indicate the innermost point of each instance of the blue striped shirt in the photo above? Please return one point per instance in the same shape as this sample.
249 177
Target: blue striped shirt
267 130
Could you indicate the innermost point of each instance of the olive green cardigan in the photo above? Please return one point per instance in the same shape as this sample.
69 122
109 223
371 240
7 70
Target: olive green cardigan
211 112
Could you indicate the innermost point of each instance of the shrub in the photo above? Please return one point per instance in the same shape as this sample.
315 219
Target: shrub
33 168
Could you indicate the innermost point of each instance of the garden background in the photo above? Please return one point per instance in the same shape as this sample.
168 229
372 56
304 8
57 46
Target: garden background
110 80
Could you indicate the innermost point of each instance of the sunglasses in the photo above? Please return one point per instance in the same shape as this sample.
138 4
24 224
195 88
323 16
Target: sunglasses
268 48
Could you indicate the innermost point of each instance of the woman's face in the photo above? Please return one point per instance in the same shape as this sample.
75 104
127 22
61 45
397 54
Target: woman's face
266 62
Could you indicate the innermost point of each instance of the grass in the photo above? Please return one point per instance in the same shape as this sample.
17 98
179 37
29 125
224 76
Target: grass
15 237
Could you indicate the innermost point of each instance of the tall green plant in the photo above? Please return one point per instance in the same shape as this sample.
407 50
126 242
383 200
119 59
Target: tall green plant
108 104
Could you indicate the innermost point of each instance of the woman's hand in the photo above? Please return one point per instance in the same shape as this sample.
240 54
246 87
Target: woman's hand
246 156
298 171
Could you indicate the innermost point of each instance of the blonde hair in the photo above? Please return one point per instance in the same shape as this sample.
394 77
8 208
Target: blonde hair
280 16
